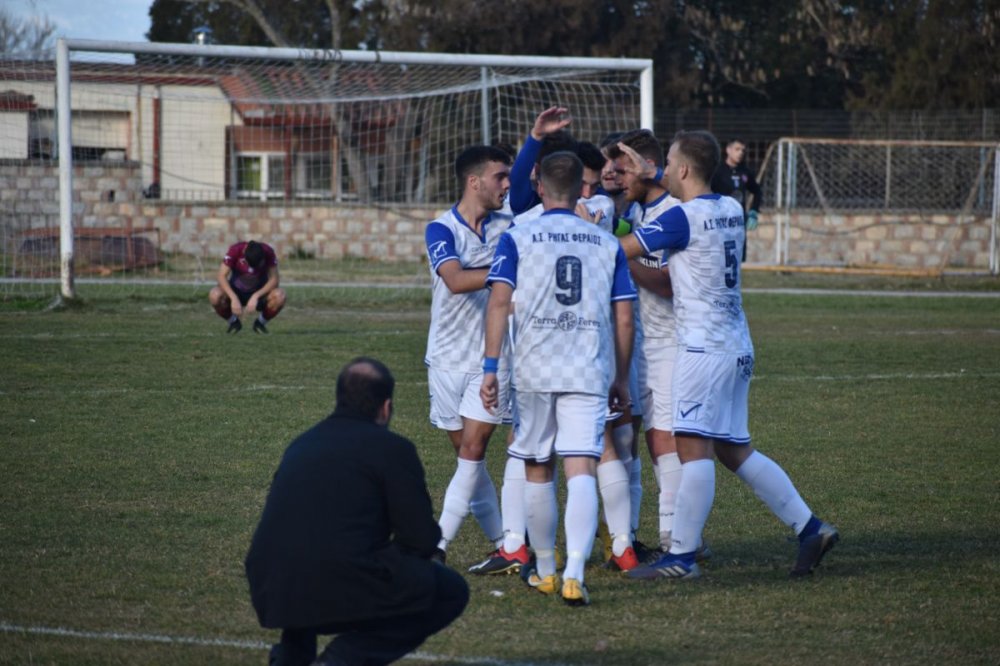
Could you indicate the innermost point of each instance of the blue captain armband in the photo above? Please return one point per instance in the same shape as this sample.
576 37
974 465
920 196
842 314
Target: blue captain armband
491 364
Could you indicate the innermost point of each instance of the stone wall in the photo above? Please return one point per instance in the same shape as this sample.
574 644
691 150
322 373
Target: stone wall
905 240
110 195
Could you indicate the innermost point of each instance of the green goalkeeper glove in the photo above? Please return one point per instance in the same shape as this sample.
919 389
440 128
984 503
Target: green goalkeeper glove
751 220
622 227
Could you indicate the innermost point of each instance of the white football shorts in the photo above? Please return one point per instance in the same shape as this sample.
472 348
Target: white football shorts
455 395
655 369
710 395
571 424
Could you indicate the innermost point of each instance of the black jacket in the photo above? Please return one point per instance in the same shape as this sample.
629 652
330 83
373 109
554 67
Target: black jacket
346 531
737 182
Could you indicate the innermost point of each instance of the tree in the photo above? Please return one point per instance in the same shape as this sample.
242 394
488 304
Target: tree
937 54
24 36
707 53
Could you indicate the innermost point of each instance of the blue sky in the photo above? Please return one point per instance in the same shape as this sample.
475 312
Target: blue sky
118 20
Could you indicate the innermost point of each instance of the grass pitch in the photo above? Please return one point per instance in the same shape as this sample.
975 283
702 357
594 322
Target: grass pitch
139 441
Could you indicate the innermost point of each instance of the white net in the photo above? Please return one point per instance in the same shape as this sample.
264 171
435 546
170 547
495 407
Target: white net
925 206
176 145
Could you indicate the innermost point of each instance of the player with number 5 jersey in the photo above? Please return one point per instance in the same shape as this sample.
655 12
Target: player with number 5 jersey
704 237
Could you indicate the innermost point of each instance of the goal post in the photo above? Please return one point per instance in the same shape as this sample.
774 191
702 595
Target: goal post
226 123
905 207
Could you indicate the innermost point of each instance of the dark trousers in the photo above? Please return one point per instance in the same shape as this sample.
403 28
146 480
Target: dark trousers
376 641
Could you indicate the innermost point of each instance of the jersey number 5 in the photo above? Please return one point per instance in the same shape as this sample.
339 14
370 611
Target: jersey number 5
569 277
732 264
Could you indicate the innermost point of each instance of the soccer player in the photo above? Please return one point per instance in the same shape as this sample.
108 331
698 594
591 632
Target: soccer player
548 135
657 348
574 328
711 383
248 281
460 246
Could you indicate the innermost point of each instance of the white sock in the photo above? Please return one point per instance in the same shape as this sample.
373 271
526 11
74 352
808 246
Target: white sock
668 469
543 521
232 318
512 505
612 478
261 318
456 499
580 523
771 484
635 491
485 506
694 502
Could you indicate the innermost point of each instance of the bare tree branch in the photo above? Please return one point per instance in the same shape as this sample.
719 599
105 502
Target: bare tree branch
27 35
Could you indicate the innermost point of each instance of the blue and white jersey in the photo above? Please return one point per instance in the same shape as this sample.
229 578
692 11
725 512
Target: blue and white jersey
655 311
705 238
456 338
566 273
599 203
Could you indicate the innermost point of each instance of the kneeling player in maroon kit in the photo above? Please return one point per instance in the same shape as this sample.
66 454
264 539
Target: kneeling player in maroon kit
248 281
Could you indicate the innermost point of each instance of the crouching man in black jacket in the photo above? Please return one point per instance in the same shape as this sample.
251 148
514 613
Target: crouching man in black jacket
345 539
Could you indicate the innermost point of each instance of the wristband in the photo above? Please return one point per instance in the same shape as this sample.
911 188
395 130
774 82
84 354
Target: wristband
491 364
659 175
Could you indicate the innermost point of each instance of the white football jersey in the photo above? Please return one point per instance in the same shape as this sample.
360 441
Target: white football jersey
599 203
456 337
655 311
566 273
705 271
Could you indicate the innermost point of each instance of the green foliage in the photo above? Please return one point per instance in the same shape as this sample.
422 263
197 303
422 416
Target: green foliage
139 442
717 53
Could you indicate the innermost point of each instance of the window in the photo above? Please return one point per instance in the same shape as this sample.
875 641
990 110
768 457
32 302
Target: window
260 176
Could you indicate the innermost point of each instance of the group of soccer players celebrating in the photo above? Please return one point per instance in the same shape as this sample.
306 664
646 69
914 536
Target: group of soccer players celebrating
536 272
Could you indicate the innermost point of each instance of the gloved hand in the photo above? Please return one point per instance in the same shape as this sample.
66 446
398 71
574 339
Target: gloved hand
751 220
622 227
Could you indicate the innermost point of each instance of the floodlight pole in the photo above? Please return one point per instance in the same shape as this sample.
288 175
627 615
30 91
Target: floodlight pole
65 125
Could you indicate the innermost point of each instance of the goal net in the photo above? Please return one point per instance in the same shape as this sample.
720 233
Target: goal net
184 139
906 207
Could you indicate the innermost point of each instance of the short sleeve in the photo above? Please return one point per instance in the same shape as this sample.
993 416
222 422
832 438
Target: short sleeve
440 244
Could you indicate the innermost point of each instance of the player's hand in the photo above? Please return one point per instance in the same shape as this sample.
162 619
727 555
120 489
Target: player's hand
636 164
550 120
618 398
751 220
236 307
489 391
252 304
584 213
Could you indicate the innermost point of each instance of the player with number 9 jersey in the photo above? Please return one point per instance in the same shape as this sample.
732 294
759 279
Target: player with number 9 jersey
566 272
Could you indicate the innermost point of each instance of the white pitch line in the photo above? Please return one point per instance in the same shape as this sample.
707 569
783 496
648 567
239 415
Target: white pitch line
961 374
224 642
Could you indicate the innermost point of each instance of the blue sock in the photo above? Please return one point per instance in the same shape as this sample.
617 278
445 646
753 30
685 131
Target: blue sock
811 528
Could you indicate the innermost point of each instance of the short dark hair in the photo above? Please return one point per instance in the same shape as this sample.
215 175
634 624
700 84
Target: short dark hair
363 386
561 174
555 143
590 155
505 146
475 158
701 149
254 254
735 139
641 141
611 139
